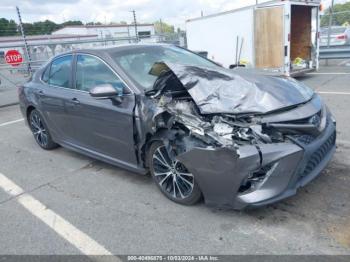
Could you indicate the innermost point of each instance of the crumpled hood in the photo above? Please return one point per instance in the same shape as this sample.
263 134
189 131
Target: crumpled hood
219 90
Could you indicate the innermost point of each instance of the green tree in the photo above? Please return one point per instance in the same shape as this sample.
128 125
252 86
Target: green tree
341 17
43 28
8 27
163 28
12 28
94 23
29 29
70 23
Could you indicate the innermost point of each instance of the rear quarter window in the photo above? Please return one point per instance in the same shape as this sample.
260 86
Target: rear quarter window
60 71
46 74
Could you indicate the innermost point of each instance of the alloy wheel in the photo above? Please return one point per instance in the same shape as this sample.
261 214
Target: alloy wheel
39 130
171 175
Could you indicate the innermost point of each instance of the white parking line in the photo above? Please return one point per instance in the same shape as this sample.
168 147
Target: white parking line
344 142
329 73
11 122
73 235
334 93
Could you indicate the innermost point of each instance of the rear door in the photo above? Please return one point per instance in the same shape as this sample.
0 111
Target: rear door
103 126
269 37
54 95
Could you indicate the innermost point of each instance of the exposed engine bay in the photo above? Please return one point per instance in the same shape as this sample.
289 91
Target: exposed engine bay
230 130
239 146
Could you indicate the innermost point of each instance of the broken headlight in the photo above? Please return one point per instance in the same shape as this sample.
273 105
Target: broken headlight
256 178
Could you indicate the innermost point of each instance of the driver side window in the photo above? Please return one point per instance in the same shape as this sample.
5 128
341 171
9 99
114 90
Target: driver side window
92 72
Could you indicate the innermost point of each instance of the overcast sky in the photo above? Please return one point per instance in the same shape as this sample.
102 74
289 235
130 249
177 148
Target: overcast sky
175 12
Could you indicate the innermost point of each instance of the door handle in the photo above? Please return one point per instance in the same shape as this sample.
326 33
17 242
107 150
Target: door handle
41 92
76 101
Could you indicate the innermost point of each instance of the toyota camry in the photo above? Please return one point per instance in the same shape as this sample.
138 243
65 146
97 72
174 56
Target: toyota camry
234 138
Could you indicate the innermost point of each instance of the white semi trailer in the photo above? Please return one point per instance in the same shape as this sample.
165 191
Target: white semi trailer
279 36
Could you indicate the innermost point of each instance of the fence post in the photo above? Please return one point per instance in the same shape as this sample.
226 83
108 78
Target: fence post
25 41
135 25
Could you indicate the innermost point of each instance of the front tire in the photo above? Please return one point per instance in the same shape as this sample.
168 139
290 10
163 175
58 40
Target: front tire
172 177
40 131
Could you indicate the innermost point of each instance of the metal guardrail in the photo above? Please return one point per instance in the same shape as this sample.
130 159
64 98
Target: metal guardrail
341 52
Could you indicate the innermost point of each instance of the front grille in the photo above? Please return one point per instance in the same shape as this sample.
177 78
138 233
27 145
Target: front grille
304 139
317 157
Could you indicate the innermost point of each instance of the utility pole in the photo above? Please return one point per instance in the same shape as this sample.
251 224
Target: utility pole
330 27
161 35
135 24
129 34
330 24
161 26
24 40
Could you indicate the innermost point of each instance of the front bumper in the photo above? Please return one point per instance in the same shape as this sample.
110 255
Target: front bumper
221 172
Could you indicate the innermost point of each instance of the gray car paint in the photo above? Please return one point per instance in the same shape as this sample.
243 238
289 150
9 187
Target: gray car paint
82 123
97 128
221 90
222 171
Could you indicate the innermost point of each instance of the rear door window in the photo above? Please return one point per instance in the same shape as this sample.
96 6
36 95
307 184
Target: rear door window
60 73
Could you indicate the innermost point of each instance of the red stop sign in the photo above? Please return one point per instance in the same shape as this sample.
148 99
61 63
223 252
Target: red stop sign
13 57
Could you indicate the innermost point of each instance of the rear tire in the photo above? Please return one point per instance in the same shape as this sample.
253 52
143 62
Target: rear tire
172 177
40 131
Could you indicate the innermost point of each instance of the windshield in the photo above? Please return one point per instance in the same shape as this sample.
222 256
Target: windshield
137 62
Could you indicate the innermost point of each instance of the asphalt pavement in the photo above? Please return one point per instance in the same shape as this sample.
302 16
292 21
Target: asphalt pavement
60 202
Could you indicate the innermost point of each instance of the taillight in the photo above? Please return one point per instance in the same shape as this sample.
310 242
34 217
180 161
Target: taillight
342 37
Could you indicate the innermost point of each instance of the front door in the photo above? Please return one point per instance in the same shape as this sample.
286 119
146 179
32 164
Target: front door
104 126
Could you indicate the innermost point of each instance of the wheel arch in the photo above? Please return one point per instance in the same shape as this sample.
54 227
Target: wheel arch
30 108
160 135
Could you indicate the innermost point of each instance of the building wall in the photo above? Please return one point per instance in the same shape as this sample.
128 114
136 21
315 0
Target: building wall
108 31
71 31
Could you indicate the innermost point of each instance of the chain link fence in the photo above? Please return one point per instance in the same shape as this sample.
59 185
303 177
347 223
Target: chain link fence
335 36
13 76
335 29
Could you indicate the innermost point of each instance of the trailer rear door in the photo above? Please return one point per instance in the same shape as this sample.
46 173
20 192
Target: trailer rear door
269 37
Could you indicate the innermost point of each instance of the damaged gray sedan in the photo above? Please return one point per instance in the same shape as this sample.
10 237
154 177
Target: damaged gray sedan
234 138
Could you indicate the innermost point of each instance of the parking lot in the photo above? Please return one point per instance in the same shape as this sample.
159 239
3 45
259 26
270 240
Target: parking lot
60 202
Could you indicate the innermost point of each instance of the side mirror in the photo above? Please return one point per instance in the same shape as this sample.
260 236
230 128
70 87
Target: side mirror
103 91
